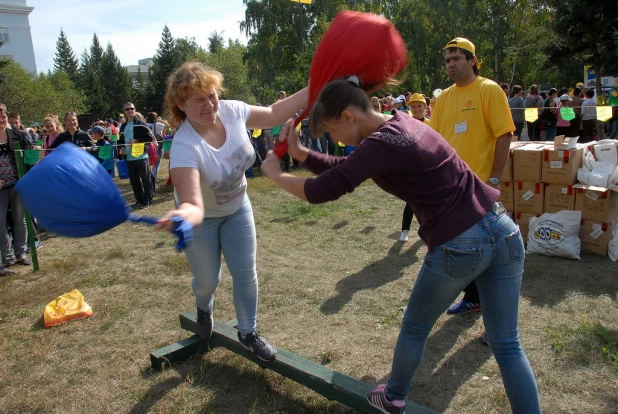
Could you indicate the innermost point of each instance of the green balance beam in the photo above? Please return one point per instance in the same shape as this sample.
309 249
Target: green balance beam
331 384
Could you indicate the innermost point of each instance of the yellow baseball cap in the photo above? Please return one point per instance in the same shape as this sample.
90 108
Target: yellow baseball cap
462 43
417 97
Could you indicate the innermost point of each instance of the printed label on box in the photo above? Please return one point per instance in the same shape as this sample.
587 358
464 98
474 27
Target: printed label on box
592 195
555 164
565 190
527 195
561 153
596 226
596 233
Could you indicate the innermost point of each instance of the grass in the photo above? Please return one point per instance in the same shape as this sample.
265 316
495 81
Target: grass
334 280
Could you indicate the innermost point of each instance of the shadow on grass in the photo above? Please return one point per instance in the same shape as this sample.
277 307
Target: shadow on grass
453 372
548 280
253 392
373 276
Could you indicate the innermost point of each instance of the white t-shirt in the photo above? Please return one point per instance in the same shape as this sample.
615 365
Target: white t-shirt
222 170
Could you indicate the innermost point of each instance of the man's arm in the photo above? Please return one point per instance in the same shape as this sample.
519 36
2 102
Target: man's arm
501 155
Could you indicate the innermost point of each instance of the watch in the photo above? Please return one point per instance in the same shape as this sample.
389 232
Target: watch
494 181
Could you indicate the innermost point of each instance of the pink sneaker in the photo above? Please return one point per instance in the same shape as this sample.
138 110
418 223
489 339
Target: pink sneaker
377 398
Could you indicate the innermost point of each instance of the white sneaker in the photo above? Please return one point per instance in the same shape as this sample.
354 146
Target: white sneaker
404 236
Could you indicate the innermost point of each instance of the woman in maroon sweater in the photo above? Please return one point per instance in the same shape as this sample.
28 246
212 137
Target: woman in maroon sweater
469 235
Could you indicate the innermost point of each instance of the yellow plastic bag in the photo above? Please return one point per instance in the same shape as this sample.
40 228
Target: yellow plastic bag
66 308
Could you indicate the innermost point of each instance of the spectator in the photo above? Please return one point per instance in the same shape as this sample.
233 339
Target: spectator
505 89
8 196
517 105
562 125
52 130
576 103
376 104
101 140
533 100
549 115
74 135
157 126
589 117
135 131
15 123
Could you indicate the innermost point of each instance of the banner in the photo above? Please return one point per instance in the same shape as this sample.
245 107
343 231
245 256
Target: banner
256 133
567 113
531 114
604 113
31 157
137 149
105 152
302 1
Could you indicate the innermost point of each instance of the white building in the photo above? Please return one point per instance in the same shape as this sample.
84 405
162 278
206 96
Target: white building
15 33
143 65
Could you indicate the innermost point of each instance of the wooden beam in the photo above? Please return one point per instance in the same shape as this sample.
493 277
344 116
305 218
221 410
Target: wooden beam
181 351
331 384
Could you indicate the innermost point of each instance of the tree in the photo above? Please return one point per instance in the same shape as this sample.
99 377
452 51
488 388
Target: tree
215 42
164 62
229 61
139 90
187 49
65 60
115 82
574 39
96 55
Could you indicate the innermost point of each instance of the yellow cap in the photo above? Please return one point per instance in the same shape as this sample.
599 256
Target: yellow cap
417 97
462 43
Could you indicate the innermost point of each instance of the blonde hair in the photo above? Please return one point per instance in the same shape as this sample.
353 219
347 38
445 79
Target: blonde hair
183 82
55 121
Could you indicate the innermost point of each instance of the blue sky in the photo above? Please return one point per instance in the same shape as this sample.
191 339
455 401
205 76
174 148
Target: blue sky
132 27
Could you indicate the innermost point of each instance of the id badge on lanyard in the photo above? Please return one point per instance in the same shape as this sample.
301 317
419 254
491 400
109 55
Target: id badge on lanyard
461 126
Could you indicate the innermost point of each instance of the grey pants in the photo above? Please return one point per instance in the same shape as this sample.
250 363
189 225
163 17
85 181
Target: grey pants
19 225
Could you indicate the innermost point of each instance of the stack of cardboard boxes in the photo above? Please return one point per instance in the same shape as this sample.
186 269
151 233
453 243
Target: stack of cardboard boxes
541 177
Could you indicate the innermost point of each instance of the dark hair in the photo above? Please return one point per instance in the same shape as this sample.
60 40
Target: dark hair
151 117
333 99
515 90
13 114
590 93
504 85
577 91
543 95
564 91
552 91
534 89
468 56
427 100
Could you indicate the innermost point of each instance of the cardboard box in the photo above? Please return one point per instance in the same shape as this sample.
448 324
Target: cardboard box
506 196
523 221
565 143
560 166
596 203
595 236
529 197
507 173
559 197
528 162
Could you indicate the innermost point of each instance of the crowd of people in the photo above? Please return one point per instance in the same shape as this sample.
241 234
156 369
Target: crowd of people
550 120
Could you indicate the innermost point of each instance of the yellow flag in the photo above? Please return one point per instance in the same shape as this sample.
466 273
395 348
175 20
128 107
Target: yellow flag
256 133
298 127
137 149
302 1
604 113
531 114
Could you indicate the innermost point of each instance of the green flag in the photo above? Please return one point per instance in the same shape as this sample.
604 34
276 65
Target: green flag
105 152
567 113
31 157
40 143
167 144
276 130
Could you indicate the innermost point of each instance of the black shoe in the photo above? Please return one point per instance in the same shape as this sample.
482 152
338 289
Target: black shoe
262 349
204 323
5 272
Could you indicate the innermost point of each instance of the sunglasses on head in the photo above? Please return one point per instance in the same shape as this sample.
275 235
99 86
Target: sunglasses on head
69 113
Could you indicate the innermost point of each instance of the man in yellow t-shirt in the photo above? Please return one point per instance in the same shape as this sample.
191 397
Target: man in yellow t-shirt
473 115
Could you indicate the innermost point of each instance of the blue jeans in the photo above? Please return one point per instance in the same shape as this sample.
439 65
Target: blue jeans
492 253
234 236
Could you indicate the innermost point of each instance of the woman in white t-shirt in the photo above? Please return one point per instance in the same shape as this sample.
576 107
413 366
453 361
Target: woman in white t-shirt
208 160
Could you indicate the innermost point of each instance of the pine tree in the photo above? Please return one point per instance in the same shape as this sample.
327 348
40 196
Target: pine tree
96 55
65 60
164 62
115 81
138 90
90 84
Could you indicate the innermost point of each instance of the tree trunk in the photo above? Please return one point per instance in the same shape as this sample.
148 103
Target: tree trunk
600 100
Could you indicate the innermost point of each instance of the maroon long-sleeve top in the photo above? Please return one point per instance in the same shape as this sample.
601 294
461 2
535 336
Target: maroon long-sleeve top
411 161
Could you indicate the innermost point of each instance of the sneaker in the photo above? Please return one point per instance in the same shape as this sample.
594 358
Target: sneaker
204 323
377 398
262 349
4 272
8 263
463 307
404 235
38 244
24 261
